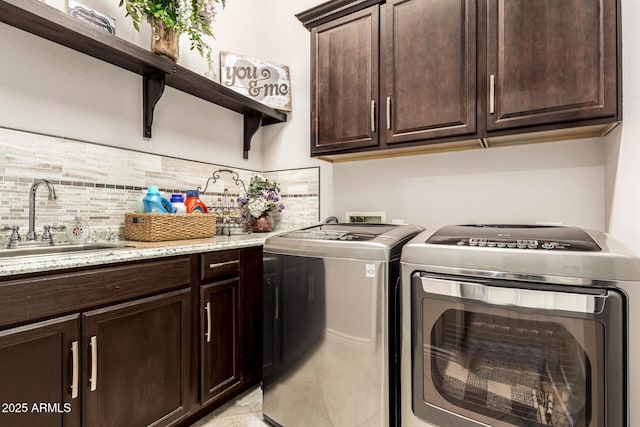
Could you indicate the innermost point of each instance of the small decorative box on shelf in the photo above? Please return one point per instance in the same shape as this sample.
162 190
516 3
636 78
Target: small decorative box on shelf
157 227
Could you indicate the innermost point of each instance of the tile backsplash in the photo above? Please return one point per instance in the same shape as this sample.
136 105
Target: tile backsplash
102 183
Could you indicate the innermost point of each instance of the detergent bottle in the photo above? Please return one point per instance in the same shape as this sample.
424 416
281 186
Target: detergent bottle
194 204
155 203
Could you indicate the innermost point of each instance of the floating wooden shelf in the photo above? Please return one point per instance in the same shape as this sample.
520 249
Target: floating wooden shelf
52 24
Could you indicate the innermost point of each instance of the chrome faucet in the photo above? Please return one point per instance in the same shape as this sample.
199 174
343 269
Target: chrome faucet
31 235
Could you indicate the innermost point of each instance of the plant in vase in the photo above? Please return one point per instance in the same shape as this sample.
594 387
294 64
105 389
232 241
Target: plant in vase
171 18
262 198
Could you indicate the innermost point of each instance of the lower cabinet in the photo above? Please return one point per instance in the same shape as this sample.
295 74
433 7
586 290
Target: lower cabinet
122 344
39 374
137 361
133 366
220 338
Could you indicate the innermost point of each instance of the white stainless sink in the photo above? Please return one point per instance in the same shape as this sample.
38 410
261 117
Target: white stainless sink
58 249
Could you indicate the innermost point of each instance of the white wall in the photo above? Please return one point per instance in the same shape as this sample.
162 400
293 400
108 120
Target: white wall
285 41
559 182
47 88
623 145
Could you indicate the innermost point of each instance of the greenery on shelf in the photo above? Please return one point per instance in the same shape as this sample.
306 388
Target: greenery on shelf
191 17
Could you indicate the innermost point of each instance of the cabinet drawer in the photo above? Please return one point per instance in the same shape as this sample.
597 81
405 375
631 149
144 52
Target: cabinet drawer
24 300
216 264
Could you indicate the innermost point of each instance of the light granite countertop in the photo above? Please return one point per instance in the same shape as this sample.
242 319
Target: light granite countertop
14 265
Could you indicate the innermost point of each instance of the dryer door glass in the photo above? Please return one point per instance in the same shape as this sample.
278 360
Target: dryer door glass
478 355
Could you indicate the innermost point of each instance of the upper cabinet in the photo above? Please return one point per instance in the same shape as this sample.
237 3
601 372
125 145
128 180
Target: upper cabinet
344 93
418 75
550 61
430 69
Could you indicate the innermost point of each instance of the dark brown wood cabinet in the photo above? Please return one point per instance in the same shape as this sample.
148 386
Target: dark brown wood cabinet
37 366
158 342
344 93
550 61
459 73
230 323
394 73
220 338
137 361
429 85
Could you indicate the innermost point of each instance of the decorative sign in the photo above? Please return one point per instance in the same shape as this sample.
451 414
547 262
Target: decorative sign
263 81
91 17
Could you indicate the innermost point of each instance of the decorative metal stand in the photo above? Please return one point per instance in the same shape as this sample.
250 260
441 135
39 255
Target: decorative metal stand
229 214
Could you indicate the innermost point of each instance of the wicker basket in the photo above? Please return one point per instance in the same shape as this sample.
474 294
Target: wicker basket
157 227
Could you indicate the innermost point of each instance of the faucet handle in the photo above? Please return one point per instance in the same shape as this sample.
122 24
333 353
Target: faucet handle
15 237
46 235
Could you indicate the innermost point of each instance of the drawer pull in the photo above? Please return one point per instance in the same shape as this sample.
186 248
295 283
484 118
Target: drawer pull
492 94
208 310
94 363
75 370
388 112
223 264
373 115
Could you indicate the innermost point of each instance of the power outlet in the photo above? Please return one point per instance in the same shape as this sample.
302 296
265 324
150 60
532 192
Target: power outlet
366 217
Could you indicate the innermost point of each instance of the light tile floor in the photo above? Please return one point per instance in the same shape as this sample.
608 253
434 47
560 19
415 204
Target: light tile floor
245 411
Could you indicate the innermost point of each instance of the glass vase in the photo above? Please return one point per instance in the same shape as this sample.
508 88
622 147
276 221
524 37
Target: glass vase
164 40
263 224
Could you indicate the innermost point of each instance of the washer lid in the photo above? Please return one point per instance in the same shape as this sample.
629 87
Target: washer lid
350 232
354 241
528 237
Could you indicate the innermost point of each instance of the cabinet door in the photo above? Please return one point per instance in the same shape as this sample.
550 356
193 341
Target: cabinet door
344 83
137 361
220 338
550 61
430 63
37 365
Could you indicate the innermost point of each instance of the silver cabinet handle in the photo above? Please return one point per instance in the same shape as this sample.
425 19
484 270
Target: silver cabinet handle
277 304
222 264
492 94
93 380
388 112
75 370
207 308
373 115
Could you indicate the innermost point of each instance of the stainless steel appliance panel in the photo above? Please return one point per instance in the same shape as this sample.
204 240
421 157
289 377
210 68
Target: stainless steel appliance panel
327 340
326 363
494 335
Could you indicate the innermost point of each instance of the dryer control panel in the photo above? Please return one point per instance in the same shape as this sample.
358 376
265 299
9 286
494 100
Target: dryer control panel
528 237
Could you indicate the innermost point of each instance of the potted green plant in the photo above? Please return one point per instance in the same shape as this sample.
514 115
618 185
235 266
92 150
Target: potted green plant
171 18
259 200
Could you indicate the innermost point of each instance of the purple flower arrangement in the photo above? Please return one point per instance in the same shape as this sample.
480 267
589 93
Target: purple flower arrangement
262 196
